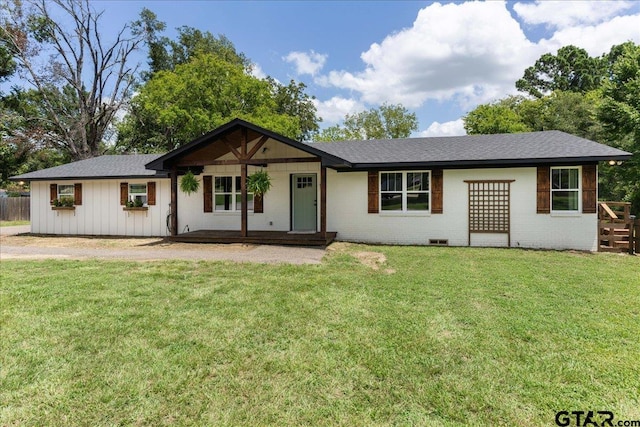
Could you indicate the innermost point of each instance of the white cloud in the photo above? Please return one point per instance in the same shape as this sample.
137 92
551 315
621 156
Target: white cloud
562 14
257 72
596 39
333 110
452 128
469 51
306 63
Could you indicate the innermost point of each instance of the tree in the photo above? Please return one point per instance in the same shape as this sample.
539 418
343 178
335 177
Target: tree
571 69
386 122
174 107
619 113
165 54
85 82
498 117
292 100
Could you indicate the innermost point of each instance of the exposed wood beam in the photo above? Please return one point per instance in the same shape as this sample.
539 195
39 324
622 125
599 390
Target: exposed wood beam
243 191
231 147
184 163
323 202
174 201
256 147
243 143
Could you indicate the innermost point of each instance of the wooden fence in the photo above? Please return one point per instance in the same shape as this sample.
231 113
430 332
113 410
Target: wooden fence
15 209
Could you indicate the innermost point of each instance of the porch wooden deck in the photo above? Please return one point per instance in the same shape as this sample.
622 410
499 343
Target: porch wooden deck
255 237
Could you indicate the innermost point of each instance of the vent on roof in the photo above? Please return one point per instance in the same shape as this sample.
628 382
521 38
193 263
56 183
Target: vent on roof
439 242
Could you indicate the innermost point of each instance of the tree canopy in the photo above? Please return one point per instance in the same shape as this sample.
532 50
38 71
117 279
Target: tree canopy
595 98
385 122
85 81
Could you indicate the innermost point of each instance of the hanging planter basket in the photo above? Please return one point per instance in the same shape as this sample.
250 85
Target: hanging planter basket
189 183
259 183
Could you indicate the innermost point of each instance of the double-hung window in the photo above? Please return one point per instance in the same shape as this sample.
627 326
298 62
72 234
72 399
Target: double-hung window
66 191
227 194
404 191
138 193
565 189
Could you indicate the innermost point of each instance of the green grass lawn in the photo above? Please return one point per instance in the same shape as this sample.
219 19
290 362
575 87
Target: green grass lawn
436 336
12 223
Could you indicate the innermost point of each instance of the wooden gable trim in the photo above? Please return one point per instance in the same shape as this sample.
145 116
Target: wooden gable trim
436 191
151 193
124 193
77 194
373 192
207 193
589 189
256 147
543 201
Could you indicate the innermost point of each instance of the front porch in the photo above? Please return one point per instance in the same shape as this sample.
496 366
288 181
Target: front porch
256 237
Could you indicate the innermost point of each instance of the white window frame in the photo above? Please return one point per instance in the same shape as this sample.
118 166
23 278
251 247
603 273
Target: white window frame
405 192
62 195
132 195
577 190
236 191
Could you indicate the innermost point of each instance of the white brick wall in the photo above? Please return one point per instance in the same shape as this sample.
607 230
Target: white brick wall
347 214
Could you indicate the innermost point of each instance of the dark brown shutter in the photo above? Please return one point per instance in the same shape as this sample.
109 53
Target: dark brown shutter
373 192
589 189
207 190
53 193
436 191
257 204
151 193
124 193
77 194
544 190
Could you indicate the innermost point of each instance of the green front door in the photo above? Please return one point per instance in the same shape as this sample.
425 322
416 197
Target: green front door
304 203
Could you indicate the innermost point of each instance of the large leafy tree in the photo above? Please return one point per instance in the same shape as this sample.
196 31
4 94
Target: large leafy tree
502 116
386 122
571 69
80 79
174 107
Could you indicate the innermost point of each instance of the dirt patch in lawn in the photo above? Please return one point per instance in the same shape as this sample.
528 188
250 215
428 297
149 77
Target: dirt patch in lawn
373 260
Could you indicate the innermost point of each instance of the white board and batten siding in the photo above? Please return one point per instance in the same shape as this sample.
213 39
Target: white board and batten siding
100 213
347 214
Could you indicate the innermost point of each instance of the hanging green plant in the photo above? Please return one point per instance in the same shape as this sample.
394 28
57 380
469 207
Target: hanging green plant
259 183
189 183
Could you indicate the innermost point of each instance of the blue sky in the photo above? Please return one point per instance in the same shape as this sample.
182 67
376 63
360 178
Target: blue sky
439 59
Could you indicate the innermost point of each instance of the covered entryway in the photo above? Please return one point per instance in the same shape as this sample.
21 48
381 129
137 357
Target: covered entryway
293 212
304 203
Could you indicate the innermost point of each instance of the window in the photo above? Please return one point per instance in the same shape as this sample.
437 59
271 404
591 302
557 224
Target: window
66 191
227 194
138 194
565 189
404 191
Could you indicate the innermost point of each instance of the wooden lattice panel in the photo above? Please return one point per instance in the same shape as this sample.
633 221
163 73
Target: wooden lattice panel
489 206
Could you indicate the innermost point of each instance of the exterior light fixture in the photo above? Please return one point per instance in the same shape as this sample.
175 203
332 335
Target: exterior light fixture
612 162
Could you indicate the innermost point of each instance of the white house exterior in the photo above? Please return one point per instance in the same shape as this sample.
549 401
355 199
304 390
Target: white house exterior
534 190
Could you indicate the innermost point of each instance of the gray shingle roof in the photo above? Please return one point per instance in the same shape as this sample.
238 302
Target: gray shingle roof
500 149
103 167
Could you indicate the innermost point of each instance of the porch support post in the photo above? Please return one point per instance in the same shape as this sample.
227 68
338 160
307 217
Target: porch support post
323 201
243 190
174 201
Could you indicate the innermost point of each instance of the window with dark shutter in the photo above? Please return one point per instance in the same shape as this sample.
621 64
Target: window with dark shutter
436 191
151 193
124 193
77 194
589 189
373 192
258 206
53 193
207 191
544 190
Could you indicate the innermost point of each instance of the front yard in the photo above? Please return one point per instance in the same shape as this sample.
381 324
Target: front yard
372 336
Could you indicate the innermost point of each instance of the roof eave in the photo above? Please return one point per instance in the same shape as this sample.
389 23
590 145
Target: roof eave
19 178
501 163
